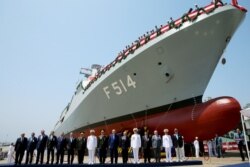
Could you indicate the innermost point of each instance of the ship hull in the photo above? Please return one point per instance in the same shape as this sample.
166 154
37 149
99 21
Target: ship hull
170 69
203 120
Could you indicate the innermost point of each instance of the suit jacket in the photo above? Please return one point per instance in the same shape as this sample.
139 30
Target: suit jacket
177 141
61 144
52 142
102 142
71 143
218 141
124 142
146 142
42 142
113 141
32 142
156 141
81 143
239 138
21 144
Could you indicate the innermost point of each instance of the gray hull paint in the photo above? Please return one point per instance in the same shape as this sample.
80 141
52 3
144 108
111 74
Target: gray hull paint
189 55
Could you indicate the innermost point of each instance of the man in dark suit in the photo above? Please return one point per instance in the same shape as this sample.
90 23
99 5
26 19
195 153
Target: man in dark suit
156 145
177 143
41 145
61 146
146 145
124 144
32 142
113 143
71 146
218 145
81 147
239 138
51 144
20 146
102 146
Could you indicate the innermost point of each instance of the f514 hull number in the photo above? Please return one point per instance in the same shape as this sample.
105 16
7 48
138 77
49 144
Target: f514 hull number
120 86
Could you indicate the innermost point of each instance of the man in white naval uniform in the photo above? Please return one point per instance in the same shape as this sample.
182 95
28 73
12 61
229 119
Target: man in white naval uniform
136 144
197 147
91 146
182 153
167 144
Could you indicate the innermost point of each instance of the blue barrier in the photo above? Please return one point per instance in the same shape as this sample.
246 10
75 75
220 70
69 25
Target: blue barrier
185 163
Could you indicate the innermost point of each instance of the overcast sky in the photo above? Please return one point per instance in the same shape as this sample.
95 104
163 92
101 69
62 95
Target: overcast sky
44 43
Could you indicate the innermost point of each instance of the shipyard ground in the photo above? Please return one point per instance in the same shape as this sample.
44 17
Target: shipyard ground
231 159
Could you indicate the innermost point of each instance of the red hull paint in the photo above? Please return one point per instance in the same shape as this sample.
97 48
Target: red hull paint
204 120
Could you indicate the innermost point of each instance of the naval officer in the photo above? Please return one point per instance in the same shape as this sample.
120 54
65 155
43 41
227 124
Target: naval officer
91 146
197 147
167 144
136 144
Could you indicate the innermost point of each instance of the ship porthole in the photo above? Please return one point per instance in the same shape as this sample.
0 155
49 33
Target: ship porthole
223 61
167 74
134 74
159 63
228 39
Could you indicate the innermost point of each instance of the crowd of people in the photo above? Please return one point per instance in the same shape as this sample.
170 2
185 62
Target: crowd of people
150 146
215 146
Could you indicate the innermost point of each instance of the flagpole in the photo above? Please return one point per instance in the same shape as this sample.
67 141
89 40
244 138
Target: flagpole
245 138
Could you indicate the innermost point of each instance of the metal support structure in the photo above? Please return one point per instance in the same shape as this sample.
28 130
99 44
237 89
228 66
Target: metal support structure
244 131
